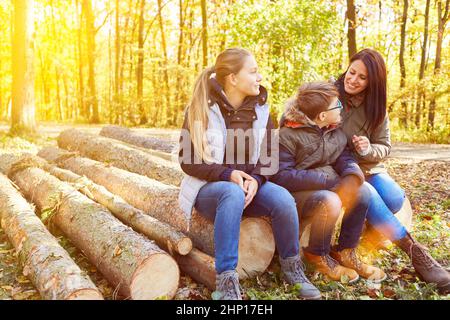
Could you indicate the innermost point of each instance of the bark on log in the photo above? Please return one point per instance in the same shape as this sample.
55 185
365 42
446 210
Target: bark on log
134 264
143 141
256 243
119 155
49 267
164 234
199 266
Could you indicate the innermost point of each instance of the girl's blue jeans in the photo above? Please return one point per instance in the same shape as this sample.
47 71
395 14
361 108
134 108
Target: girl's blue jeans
223 203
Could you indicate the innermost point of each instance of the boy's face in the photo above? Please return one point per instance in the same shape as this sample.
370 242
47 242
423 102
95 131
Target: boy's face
332 116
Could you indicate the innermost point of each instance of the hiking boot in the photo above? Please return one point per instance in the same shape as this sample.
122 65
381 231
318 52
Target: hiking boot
331 268
227 286
429 270
293 271
348 258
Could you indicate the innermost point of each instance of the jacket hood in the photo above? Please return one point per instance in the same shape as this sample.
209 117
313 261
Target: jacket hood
293 117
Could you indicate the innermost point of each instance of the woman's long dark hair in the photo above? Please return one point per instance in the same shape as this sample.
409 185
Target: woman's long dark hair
375 95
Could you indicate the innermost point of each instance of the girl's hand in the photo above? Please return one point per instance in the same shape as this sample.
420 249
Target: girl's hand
251 187
361 143
238 177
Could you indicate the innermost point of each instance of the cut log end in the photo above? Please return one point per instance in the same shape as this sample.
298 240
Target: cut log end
184 246
256 247
85 294
156 278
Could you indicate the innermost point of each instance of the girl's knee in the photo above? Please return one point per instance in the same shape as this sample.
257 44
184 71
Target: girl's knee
232 192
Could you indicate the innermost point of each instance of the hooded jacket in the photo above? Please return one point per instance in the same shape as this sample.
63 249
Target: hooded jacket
312 158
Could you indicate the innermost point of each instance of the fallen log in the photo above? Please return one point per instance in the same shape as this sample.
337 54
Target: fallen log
121 156
199 266
164 234
256 242
143 141
49 267
132 263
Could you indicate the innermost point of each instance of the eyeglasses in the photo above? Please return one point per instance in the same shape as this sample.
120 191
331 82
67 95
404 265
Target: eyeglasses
338 106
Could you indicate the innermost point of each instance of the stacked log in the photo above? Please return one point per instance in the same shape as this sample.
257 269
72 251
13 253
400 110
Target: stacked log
121 156
130 262
143 141
256 243
164 234
49 267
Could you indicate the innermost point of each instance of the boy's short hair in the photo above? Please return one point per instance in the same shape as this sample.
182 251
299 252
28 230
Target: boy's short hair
314 97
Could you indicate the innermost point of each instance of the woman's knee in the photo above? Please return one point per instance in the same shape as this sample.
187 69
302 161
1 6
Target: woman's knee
230 191
391 193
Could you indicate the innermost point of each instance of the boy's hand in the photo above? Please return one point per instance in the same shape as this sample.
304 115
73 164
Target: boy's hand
250 187
238 177
361 143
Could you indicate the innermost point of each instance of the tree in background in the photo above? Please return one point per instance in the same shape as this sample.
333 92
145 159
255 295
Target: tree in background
23 108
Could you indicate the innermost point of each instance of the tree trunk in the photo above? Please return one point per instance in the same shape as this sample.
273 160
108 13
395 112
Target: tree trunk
55 275
204 34
256 243
81 100
164 235
129 261
23 107
144 141
404 113
420 95
90 36
166 63
120 155
351 33
442 21
140 67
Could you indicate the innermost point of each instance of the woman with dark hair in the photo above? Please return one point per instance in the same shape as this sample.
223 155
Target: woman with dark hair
362 89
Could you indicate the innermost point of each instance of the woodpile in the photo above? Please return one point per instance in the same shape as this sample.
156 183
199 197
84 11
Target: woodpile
44 261
117 202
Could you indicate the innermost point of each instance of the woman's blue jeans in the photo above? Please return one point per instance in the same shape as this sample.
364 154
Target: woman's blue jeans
223 203
386 199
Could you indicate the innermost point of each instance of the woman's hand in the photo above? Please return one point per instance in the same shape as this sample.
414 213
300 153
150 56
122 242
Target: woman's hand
238 177
362 144
252 187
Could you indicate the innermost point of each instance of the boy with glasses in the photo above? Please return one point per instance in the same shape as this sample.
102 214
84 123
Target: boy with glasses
319 170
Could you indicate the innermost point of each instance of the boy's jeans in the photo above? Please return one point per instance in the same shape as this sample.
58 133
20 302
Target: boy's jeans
386 199
325 207
223 203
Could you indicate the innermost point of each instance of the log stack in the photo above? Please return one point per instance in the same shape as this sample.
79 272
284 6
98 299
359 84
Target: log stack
130 262
44 261
256 243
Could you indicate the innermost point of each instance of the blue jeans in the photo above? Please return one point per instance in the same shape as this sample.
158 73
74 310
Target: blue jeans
324 208
223 203
387 198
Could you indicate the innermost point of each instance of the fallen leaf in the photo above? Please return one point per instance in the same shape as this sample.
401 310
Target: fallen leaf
388 293
117 251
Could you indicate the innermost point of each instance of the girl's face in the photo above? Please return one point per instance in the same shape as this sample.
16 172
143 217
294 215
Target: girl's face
356 79
247 80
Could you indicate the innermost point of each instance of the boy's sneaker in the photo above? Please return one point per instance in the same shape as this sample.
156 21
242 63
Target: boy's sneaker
293 272
331 268
348 258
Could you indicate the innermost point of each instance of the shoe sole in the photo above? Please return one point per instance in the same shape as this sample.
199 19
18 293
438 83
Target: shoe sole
378 280
319 297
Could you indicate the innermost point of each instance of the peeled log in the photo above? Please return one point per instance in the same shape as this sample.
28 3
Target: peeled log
164 234
143 141
53 272
128 260
121 156
256 242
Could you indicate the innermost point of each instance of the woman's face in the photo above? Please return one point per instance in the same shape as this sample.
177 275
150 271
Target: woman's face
356 79
248 80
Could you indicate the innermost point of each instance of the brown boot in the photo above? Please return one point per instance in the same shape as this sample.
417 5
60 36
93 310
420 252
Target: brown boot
348 258
429 270
330 267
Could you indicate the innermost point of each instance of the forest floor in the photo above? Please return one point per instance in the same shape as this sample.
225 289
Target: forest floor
423 170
